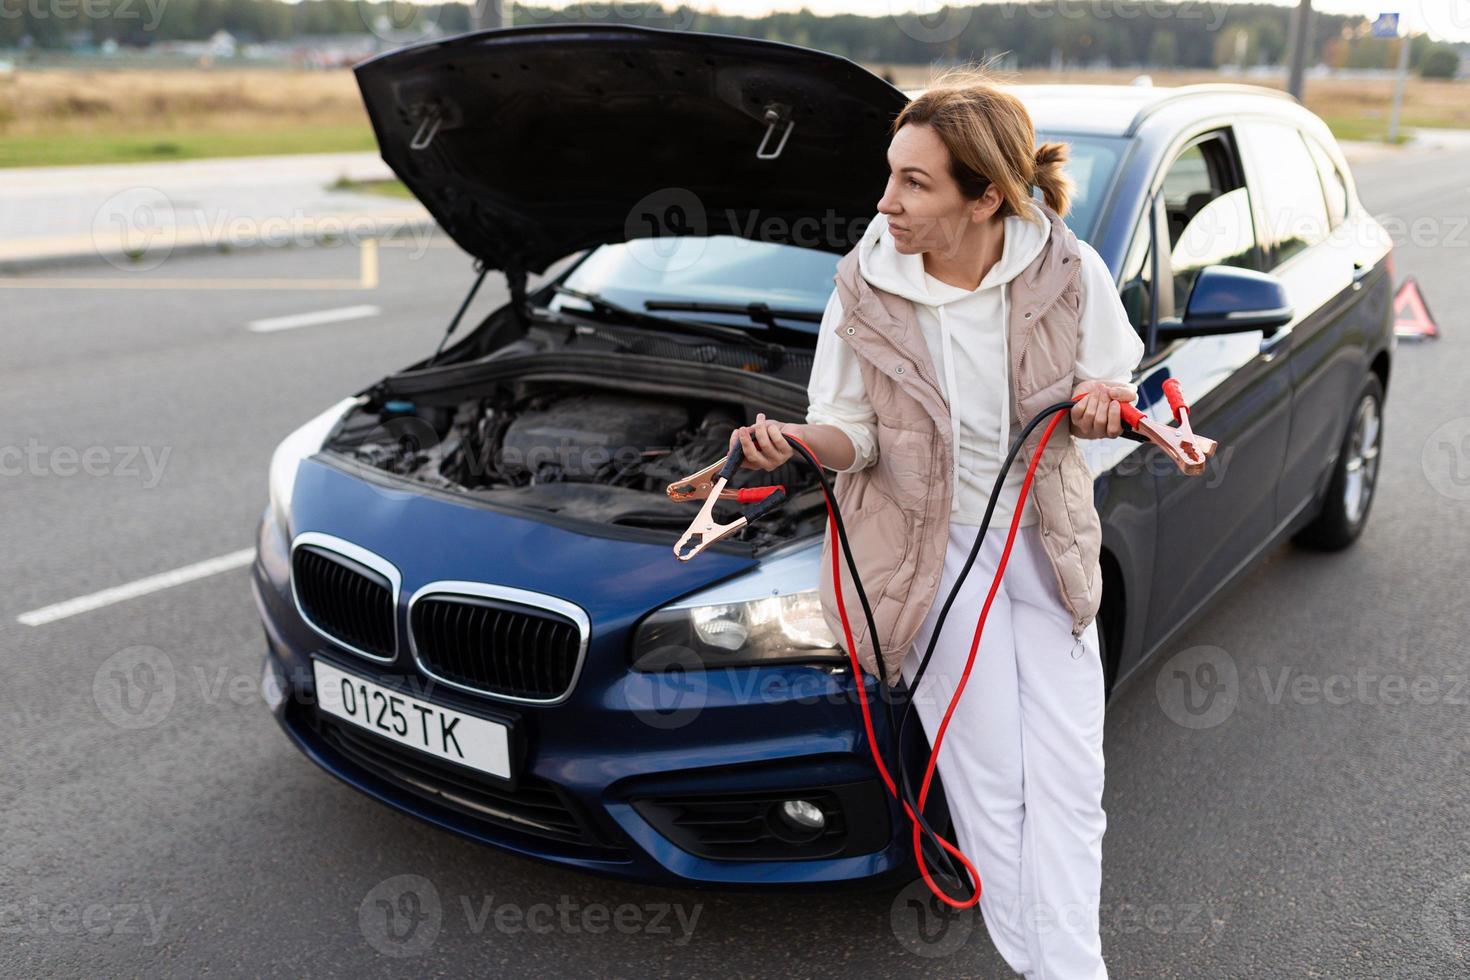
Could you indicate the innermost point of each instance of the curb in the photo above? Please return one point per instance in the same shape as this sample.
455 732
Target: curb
84 251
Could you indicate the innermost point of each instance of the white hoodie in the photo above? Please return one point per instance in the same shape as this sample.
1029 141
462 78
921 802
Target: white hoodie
966 335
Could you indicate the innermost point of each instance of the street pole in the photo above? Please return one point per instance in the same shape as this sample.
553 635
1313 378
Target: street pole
1301 32
490 14
1398 87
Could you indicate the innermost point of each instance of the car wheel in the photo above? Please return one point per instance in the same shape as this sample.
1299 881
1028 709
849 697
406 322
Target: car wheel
1350 492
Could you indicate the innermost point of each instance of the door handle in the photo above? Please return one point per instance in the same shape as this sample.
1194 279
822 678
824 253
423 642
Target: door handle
1360 271
1272 346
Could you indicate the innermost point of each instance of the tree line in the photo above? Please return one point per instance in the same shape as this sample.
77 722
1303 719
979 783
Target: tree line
1120 32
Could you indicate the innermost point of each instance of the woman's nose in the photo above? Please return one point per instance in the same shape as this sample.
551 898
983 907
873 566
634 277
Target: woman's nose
886 203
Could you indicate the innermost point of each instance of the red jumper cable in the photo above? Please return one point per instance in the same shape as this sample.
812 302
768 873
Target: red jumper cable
1187 449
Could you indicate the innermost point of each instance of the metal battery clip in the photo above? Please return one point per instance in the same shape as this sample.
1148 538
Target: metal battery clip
709 485
1188 449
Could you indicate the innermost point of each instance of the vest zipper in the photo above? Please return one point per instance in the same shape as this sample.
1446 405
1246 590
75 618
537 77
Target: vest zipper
1016 374
938 391
939 395
1077 627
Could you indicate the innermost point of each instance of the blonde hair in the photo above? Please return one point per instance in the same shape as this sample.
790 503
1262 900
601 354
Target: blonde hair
991 140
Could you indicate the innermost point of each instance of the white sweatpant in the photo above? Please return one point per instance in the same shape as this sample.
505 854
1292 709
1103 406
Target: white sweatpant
1022 759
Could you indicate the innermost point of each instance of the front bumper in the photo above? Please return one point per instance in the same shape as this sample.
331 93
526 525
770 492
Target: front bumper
613 780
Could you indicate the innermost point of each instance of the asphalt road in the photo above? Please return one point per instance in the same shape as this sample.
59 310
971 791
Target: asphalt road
1313 829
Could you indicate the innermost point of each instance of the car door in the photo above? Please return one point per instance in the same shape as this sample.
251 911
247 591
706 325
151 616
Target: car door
1314 252
1238 385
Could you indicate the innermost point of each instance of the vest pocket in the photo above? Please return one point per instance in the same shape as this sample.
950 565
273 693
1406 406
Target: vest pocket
907 453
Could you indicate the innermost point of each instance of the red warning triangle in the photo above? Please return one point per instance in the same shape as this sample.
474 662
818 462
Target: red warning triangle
1411 317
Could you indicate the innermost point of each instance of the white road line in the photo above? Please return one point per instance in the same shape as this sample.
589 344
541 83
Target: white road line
295 320
140 587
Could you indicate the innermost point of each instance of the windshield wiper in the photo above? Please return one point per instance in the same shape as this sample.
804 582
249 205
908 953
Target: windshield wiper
604 305
759 312
762 313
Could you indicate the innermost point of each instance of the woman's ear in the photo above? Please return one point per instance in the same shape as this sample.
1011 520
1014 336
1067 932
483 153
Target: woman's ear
987 205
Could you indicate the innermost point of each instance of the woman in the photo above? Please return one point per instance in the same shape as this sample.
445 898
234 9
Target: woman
956 230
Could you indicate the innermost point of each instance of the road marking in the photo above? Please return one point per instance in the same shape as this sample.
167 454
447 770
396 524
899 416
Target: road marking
271 324
140 587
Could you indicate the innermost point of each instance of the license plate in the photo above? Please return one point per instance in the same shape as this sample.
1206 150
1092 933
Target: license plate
441 732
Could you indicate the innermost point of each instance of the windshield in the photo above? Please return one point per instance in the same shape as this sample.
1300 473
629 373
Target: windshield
713 269
730 269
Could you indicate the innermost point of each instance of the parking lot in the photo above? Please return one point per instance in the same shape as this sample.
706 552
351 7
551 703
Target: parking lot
155 821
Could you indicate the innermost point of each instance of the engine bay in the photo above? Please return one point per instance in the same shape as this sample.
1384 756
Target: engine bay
586 451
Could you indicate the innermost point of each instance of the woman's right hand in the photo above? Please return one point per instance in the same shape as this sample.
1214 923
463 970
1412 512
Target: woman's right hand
763 445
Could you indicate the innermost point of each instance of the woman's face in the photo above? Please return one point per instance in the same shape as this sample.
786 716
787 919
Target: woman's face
925 209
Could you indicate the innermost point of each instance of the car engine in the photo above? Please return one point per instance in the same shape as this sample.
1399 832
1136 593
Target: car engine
587 454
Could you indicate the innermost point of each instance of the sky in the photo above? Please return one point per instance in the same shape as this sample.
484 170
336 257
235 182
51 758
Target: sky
1445 20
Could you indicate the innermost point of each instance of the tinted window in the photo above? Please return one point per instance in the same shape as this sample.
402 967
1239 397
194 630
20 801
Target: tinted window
1334 185
1290 191
1209 218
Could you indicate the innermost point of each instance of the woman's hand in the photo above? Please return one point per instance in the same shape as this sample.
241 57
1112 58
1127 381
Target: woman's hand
1098 415
764 446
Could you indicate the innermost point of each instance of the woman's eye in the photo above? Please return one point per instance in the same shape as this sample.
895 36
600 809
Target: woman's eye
915 184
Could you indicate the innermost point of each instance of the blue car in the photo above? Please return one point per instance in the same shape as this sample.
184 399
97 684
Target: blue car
466 573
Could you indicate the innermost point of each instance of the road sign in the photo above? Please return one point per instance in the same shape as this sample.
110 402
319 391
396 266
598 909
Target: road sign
1411 319
1387 25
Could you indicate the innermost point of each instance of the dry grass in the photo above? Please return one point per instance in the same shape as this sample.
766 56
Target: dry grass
83 116
64 102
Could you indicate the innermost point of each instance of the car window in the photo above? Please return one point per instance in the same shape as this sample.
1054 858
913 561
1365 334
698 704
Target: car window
1291 192
1208 212
1091 163
1334 185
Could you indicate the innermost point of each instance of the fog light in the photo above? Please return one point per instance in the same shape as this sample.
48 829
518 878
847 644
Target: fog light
803 815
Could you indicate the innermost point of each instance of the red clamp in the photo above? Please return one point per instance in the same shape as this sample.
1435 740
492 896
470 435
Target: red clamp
1187 448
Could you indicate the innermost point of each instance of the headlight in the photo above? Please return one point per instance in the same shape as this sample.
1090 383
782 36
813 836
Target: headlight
292 450
771 615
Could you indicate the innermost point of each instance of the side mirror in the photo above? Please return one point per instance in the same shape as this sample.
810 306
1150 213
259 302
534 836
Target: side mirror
1230 299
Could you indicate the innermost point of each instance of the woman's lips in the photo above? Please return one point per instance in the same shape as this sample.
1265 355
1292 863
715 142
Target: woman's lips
897 229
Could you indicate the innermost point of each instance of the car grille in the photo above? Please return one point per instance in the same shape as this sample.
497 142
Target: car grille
345 600
496 646
535 806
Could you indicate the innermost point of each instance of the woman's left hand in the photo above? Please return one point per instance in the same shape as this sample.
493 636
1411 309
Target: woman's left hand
1098 415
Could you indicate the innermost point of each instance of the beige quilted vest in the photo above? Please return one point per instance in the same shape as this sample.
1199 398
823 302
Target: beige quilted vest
896 511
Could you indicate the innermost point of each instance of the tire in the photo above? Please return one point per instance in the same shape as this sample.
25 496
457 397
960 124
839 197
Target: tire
1350 491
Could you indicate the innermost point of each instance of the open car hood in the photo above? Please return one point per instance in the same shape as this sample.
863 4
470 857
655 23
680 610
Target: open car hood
530 143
